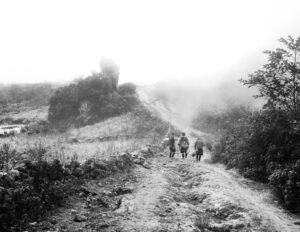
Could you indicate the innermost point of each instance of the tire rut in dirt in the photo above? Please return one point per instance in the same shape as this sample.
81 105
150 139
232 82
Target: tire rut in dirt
177 208
187 208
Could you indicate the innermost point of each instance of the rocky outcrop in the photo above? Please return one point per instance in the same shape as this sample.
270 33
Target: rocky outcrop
141 157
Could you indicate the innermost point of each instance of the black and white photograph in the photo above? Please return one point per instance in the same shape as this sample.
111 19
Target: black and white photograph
150 116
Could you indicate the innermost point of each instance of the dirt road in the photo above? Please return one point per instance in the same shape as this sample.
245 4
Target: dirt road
185 195
178 194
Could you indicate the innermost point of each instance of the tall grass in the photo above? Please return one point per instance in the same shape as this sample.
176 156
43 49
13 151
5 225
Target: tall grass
125 133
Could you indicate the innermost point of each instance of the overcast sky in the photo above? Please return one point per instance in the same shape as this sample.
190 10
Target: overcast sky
150 40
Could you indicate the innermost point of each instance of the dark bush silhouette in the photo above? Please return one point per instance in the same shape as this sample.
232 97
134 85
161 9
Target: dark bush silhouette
213 121
127 89
263 145
279 80
43 185
92 99
110 70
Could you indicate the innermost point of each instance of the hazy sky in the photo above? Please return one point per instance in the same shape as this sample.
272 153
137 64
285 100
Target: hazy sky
150 40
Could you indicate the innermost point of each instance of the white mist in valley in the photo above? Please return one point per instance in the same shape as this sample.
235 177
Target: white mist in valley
187 96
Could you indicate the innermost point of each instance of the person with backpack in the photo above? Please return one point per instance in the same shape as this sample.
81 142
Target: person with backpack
172 145
183 145
198 149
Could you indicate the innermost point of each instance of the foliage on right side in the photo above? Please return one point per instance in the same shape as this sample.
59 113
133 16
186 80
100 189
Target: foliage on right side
264 145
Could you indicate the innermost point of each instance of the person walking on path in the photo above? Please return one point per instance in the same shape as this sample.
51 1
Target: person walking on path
198 149
183 145
172 146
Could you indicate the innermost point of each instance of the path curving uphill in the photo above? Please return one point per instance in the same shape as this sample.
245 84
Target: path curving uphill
185 195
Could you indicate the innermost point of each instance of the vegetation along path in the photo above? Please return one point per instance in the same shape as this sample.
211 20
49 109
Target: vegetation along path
177 195
185 195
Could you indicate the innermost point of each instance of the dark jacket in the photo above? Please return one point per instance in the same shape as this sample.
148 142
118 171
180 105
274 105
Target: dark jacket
172 142
198 145
183 142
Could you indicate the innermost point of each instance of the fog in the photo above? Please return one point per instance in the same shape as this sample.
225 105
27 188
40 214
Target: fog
185 98
198 49
58 41
216 93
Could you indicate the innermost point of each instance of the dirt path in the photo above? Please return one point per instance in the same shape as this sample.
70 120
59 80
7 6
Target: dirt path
175 195
153 206
183 195
179 195
138 209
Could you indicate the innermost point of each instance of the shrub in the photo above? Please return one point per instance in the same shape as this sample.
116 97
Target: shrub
216 152
7 156
42 184
208 145
90 100
127 89
264 146
215 121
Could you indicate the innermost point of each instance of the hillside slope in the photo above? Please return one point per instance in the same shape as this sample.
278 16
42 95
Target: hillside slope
166 194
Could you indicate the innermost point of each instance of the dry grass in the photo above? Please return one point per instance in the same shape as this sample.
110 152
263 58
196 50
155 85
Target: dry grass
84 142
121 125
29 114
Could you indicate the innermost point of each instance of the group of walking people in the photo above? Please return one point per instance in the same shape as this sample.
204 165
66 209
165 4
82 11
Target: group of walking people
183 145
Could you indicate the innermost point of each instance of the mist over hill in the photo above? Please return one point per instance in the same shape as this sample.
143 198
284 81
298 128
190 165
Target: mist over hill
188 96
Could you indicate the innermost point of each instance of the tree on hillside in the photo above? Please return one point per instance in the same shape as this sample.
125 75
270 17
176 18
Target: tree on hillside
91 99
110 70
127 88
279 79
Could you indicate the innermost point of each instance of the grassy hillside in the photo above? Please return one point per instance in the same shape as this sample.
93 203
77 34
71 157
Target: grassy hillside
26 114
83 131
51 166
16 98
115 135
